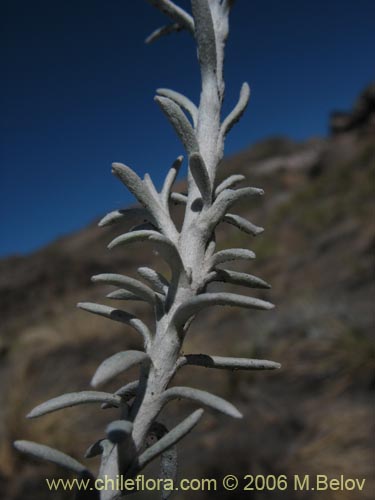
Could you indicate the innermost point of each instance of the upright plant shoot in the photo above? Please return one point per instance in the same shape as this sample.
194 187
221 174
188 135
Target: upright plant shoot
136 437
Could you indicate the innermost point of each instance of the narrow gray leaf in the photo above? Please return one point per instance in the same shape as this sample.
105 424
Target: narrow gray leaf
117 364
73 399
146 194
122 295
237 112
243 224
226 199
51 454
229 182
180 123
150 186
132 237
131 215
232 254
196 304
221 362
133 183
117 315
182 101
169 439
179 198
128 283
175 12
205 37
237 278
231 196
169 180
163 244
199 172
202 397
155 279
162 31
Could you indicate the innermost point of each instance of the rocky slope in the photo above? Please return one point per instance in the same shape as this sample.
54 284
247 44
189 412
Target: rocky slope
314 416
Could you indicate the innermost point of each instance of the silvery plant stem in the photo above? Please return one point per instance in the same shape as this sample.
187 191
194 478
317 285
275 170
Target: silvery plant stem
136 437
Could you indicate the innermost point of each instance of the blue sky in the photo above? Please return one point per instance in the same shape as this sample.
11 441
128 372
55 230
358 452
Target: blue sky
77 93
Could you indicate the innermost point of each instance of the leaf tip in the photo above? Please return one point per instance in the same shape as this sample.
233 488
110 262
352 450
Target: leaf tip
246 89
258 230
31 414
95 381
198 413
112 244
119 430
116 167
237 414
18 445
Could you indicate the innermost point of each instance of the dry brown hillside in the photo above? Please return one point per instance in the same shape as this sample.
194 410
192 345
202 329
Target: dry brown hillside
314 416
